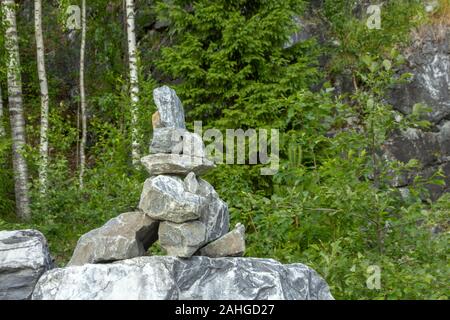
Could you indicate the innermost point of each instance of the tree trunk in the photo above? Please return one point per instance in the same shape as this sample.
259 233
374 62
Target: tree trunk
16 111
2 128
43 149
83 95
134 86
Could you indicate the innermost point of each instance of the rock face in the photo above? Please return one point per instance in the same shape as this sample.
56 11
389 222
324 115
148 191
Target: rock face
415 144
195 278
428 60
24 257
162 163
169 106
127 236
431 149
230 245
165 198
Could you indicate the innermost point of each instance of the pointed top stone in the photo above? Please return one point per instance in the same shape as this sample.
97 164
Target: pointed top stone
170 108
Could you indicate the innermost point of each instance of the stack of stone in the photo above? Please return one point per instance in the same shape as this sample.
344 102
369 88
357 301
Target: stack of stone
176 206
190 212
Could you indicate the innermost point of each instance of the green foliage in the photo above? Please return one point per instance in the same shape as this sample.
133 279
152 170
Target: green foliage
330 205
347 20
6 178
232 60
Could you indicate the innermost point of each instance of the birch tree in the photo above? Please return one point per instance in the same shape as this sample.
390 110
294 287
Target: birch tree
40 50
134 86
83 95
16 110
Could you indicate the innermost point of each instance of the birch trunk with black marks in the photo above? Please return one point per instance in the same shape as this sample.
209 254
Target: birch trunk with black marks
16 111
83 95
134 86
40 51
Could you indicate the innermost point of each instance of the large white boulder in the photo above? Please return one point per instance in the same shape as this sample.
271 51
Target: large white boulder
172 278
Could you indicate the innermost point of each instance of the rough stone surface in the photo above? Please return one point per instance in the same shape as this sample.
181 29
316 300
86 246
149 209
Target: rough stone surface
24 257
177 141
430 148
191 183
428 59
215 215
182 239
169 107
199 278
230 245
127 236
165 198
309 26
162 163
414 144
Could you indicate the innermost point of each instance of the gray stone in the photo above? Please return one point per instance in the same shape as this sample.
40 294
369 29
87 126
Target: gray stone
165 198
24 257
177 141
127 236
177 164
428 59
309 26
444 140
166 140
182 239
431 149
169 107
215 215
191 183
413 144
230 245
199 278
436 191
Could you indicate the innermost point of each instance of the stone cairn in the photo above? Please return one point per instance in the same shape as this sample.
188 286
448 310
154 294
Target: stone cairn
176 207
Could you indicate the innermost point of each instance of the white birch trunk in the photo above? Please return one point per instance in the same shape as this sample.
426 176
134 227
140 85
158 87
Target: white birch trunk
43 149
16 111
134 86
83 95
